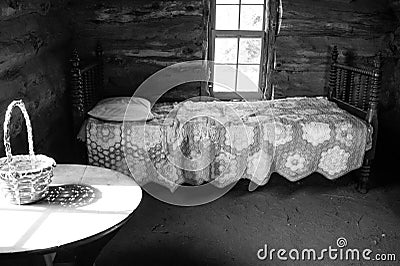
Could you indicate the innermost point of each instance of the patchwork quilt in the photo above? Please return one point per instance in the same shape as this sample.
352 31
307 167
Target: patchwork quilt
222 142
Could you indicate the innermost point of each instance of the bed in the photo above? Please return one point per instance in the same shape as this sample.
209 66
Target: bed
194 143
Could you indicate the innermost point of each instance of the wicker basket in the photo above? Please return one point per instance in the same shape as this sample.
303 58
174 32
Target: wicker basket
23 178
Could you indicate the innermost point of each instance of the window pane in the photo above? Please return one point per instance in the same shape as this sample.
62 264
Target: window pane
227 17
224 78
260 2
248 78
250 50
230 1
251 17
226 50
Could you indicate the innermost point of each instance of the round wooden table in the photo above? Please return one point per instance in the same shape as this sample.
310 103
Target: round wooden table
85 206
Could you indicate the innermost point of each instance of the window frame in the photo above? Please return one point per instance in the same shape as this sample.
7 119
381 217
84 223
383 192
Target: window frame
262 34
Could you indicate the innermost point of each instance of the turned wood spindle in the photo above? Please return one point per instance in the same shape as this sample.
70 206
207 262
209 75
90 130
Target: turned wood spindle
351 88
376 82
358 90
365 87
333 74
344 85
338 82
100 72
76 90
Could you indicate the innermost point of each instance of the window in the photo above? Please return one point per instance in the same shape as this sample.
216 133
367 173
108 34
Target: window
236 46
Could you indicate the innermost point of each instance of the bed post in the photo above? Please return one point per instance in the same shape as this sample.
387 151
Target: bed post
77 95
375 90
371 119
100 72
333 72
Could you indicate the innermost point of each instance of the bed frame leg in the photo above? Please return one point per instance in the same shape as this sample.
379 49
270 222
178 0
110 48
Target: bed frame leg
364 173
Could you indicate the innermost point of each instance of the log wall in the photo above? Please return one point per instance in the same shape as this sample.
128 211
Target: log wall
33 37
390 97
360 29
140 37
311 27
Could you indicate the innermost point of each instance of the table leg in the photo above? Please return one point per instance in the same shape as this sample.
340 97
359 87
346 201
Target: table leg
49 258
84 255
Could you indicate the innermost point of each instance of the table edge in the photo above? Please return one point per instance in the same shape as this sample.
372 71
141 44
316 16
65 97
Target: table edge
77 243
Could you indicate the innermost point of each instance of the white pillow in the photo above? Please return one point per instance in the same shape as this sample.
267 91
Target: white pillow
113 109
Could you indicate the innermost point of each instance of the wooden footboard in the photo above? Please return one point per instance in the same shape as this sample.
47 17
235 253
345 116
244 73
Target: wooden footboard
357 91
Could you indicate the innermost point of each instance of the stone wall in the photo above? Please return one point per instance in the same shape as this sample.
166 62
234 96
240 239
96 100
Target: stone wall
33 41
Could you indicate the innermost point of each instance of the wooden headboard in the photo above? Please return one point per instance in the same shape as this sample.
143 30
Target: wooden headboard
357 91
86 85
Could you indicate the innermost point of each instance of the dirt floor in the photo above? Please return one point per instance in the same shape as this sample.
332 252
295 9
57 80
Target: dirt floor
313 213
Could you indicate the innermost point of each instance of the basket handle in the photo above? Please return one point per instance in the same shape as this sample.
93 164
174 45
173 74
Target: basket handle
6 128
